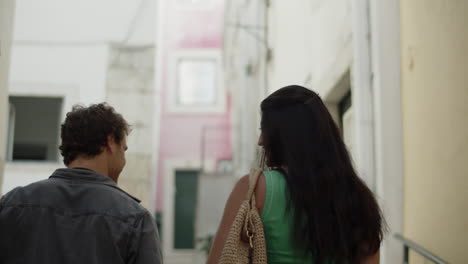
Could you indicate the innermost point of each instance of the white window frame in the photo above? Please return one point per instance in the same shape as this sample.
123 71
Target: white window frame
11 131
220 102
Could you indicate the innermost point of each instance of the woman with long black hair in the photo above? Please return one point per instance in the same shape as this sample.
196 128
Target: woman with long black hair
314 207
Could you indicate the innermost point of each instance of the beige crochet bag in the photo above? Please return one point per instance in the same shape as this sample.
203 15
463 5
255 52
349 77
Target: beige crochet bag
245 243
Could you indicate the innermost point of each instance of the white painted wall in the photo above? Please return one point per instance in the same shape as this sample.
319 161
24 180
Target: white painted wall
7 8
39 69
85 21
311 43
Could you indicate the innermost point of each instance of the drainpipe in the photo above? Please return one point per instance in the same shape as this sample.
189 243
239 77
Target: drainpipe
362 91
157 102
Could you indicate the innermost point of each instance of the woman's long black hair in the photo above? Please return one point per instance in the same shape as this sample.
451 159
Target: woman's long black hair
336 217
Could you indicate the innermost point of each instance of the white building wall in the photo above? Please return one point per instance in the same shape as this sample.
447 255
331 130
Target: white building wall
85 21
271 46
76 74
7 8
245 56
311 43
62 49
48 70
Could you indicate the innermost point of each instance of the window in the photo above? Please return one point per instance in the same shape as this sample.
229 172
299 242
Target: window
34 128
196 82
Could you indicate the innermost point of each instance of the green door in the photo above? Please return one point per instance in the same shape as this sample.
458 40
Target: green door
185 205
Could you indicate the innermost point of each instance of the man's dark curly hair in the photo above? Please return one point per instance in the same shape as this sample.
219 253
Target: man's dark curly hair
86 129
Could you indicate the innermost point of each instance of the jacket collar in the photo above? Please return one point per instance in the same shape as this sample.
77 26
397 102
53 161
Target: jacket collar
87 175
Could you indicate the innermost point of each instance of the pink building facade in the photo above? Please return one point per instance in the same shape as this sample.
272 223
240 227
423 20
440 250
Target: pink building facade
194 116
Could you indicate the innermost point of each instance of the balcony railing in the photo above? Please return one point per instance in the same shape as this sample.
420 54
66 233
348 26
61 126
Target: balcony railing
408 244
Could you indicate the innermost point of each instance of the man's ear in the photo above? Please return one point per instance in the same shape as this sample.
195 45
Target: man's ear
110 146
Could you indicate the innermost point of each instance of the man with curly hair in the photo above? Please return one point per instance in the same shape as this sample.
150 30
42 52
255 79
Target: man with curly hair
79 215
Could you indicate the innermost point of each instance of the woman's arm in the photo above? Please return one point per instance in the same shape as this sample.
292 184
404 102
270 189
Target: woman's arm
230 211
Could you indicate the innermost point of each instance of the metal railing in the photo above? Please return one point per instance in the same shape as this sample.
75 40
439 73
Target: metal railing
408 244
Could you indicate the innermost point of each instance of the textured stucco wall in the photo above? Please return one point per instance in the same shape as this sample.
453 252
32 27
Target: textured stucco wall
130 89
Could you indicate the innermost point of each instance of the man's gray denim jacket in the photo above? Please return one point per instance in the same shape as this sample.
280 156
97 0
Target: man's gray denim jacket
76 216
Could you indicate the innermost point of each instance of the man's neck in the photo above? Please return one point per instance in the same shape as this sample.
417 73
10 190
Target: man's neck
96 164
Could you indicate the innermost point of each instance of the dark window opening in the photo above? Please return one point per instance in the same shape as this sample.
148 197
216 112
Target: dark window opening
343 106
34 128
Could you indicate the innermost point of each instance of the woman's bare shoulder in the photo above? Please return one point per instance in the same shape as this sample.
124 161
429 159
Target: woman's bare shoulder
242 187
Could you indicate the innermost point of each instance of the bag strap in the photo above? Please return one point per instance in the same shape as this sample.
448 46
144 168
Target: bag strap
248 232
253 178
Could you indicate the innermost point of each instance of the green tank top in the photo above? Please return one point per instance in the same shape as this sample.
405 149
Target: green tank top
278 223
